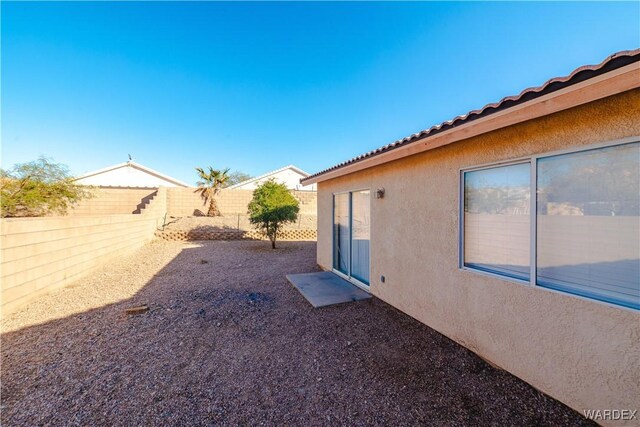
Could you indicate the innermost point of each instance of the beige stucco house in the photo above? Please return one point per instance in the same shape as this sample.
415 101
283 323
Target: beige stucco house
514 230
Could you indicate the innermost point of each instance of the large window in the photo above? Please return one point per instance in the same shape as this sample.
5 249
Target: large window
585 214
497 220
589 224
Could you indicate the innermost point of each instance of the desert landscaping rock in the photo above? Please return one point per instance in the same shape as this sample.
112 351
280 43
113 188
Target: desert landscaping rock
231 342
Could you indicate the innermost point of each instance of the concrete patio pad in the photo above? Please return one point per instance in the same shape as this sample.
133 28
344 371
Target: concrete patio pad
326 288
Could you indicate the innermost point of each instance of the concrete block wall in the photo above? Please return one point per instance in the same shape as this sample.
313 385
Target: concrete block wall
308 202
234 201
39 255
108 201
186 202
157 206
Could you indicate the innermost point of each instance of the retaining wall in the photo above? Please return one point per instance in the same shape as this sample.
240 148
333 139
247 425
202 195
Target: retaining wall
180 235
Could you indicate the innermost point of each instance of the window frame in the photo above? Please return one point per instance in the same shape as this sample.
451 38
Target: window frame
533 240
348 276
461 262
333 230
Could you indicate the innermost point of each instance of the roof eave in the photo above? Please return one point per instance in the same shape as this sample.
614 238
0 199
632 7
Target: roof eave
250 180
158 174
99 171
611 83
134 165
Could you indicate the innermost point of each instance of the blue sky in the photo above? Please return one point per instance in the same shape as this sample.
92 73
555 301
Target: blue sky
256 86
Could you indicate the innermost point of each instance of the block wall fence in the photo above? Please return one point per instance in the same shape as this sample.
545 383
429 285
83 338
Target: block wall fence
182 202
39 255
186 202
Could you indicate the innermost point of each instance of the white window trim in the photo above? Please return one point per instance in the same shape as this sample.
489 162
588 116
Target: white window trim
533 160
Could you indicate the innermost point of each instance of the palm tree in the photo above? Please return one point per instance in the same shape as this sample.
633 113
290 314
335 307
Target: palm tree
209 186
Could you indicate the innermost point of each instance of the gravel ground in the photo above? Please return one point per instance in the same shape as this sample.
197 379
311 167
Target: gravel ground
228 341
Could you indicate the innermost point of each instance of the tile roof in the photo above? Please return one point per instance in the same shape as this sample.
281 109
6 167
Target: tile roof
613 62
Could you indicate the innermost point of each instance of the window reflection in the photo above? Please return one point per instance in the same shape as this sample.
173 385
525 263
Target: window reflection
497 219
341 232
588 239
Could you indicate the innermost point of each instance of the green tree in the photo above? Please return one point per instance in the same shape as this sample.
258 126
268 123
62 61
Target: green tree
236 177
271 208
209 186
38 188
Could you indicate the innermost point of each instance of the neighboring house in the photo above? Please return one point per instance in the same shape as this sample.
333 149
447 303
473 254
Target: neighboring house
513 230
129 175
288 175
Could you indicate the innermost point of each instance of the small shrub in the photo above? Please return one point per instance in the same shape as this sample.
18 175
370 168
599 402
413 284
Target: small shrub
271 208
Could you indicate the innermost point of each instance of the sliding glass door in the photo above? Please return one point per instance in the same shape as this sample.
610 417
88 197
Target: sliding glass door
360 216
351 235
341 233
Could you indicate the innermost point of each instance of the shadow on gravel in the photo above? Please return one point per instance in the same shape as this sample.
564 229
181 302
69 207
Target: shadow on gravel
227 340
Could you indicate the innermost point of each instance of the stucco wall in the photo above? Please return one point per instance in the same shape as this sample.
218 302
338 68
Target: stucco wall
582 352
39 255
